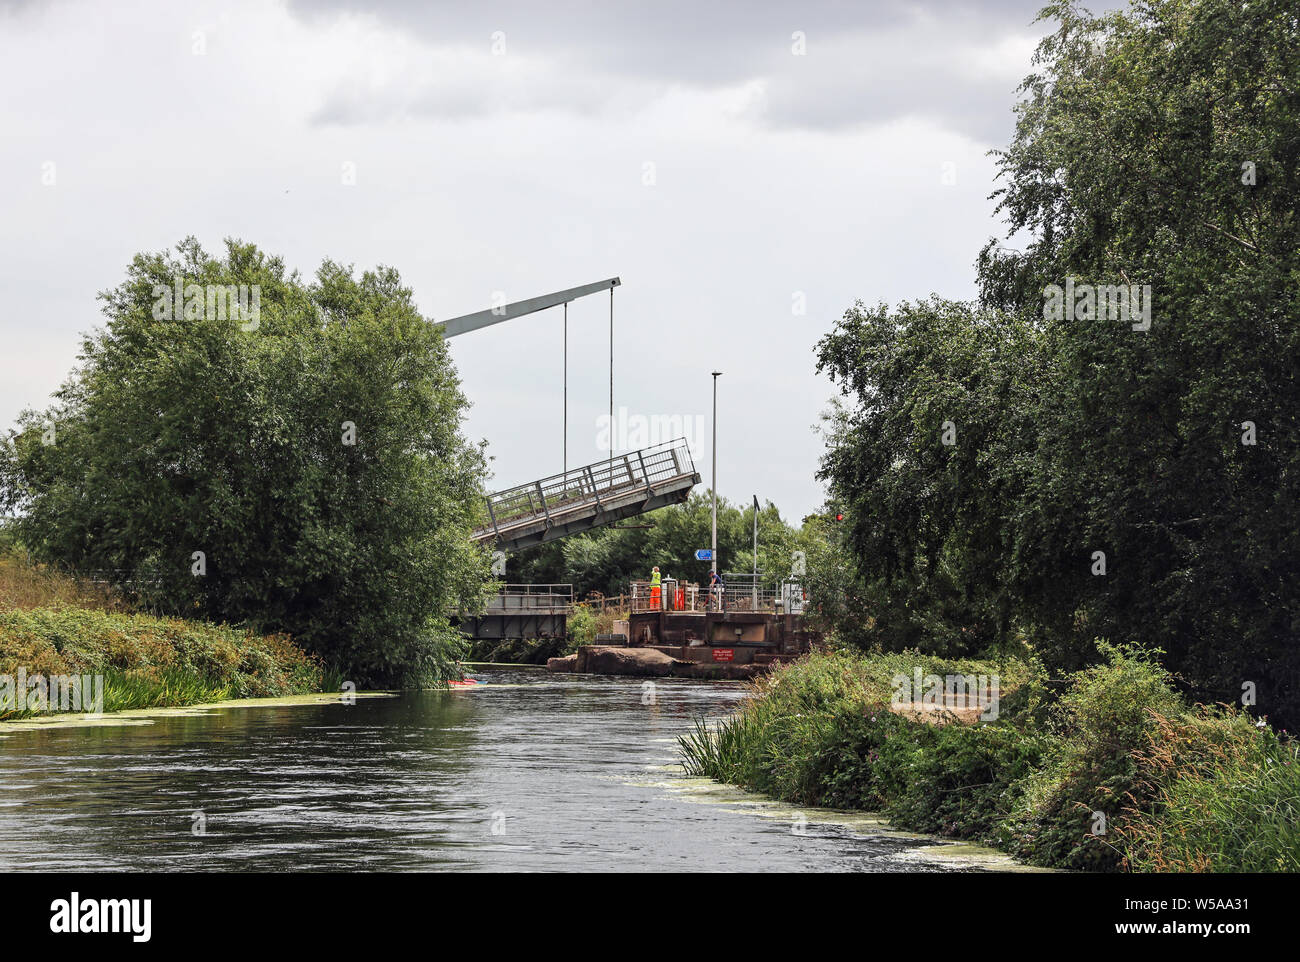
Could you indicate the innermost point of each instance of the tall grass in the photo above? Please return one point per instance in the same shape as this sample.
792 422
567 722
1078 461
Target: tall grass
1115 773
820 731
1224 797
1098 729
54 624
25 585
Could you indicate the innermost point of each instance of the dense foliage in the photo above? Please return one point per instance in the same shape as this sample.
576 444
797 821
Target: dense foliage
607 559
56 624
312 455
1113 773
149 662
1008 468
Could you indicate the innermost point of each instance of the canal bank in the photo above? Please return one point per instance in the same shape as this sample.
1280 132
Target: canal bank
63 649
1109 769
531 772
151 716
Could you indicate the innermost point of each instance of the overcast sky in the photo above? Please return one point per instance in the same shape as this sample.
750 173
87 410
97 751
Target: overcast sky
689 148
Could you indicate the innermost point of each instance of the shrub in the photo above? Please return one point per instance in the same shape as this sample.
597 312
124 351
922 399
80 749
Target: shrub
1181 790
820 732
582 627
148 661
1103 720
1216 793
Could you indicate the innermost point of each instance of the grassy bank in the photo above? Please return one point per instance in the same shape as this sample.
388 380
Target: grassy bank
52 625
1109 771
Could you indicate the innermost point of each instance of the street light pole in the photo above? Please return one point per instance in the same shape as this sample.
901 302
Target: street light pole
714 546
566 387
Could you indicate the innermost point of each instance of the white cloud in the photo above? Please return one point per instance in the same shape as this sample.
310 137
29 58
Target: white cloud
524 174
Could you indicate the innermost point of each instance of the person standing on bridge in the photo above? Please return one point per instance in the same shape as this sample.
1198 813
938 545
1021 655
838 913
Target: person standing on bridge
654 587
718 590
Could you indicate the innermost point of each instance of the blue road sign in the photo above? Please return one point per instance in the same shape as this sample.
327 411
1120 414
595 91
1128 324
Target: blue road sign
704 554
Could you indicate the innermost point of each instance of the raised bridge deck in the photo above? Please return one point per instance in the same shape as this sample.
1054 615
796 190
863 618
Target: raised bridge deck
621 486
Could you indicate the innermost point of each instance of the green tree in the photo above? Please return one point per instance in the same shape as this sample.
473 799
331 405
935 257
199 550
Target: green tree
1161 147
1156 149
926 457
607 559
313 456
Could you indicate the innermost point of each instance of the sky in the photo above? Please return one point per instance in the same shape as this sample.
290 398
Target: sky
749 171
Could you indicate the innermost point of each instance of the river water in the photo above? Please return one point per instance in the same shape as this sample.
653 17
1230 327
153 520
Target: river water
533 772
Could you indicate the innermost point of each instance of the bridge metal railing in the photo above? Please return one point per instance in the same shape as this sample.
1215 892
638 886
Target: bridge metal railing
673 595
530 599
588 485
741 592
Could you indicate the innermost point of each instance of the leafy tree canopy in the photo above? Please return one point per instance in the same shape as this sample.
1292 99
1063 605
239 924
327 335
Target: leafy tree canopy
1157 149
607 559
302 470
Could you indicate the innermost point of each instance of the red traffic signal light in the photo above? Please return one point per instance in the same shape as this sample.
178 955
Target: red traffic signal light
839 516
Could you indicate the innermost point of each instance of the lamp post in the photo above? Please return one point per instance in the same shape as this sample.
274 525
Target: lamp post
714 545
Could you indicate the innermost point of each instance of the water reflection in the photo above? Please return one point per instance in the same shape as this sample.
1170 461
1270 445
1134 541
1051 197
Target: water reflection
534 772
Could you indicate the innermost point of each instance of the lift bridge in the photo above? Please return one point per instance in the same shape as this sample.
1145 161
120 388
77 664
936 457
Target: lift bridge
564 504
617 487
590 496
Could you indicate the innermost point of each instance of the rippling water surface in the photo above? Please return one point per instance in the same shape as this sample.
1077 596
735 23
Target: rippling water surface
533 772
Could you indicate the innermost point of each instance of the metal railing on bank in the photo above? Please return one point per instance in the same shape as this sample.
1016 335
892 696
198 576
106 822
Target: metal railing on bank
604 603
738 593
